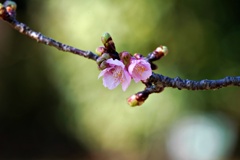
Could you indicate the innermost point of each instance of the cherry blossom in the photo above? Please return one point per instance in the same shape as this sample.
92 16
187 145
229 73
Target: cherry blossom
139 69
115 74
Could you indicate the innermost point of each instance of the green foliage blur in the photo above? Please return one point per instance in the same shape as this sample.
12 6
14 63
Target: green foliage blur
52 104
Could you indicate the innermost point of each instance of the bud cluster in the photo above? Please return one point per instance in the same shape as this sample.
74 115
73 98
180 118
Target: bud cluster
120 68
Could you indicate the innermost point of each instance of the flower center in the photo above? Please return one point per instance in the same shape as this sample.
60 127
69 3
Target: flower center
140 69
118 74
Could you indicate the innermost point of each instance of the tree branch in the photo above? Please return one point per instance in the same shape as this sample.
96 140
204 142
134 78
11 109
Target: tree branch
155 84
24 29
163 81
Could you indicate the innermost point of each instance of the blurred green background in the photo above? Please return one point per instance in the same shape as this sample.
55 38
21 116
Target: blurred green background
52 105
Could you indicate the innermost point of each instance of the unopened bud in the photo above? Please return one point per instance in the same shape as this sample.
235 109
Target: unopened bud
108 42
101 59
132 101
100 50
105 38
125 57
158 53
103 65
10 7
137 99
162 50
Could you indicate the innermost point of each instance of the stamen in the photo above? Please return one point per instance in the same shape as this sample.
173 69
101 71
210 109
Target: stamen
140 69
118 74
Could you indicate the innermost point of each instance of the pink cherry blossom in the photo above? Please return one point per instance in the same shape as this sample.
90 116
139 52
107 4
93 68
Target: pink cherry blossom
139 69
115 74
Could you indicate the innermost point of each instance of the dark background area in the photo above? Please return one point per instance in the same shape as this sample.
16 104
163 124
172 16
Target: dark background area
29 101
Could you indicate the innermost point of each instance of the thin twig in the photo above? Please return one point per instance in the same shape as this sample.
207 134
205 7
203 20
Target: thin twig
24 29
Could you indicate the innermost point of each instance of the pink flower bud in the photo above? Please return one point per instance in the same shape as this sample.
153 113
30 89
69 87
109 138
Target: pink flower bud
100 50
138 98
125 58
133 102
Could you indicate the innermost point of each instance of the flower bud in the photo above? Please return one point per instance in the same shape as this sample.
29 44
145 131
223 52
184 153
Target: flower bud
101 59
100 50
105 38
162 50
138 99
105 56
157 54
132 101
103 65
125 58
10 7
108 43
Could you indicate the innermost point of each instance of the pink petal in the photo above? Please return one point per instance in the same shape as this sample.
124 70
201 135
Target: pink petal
131 66
115 62
103 72
126 80
110 82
